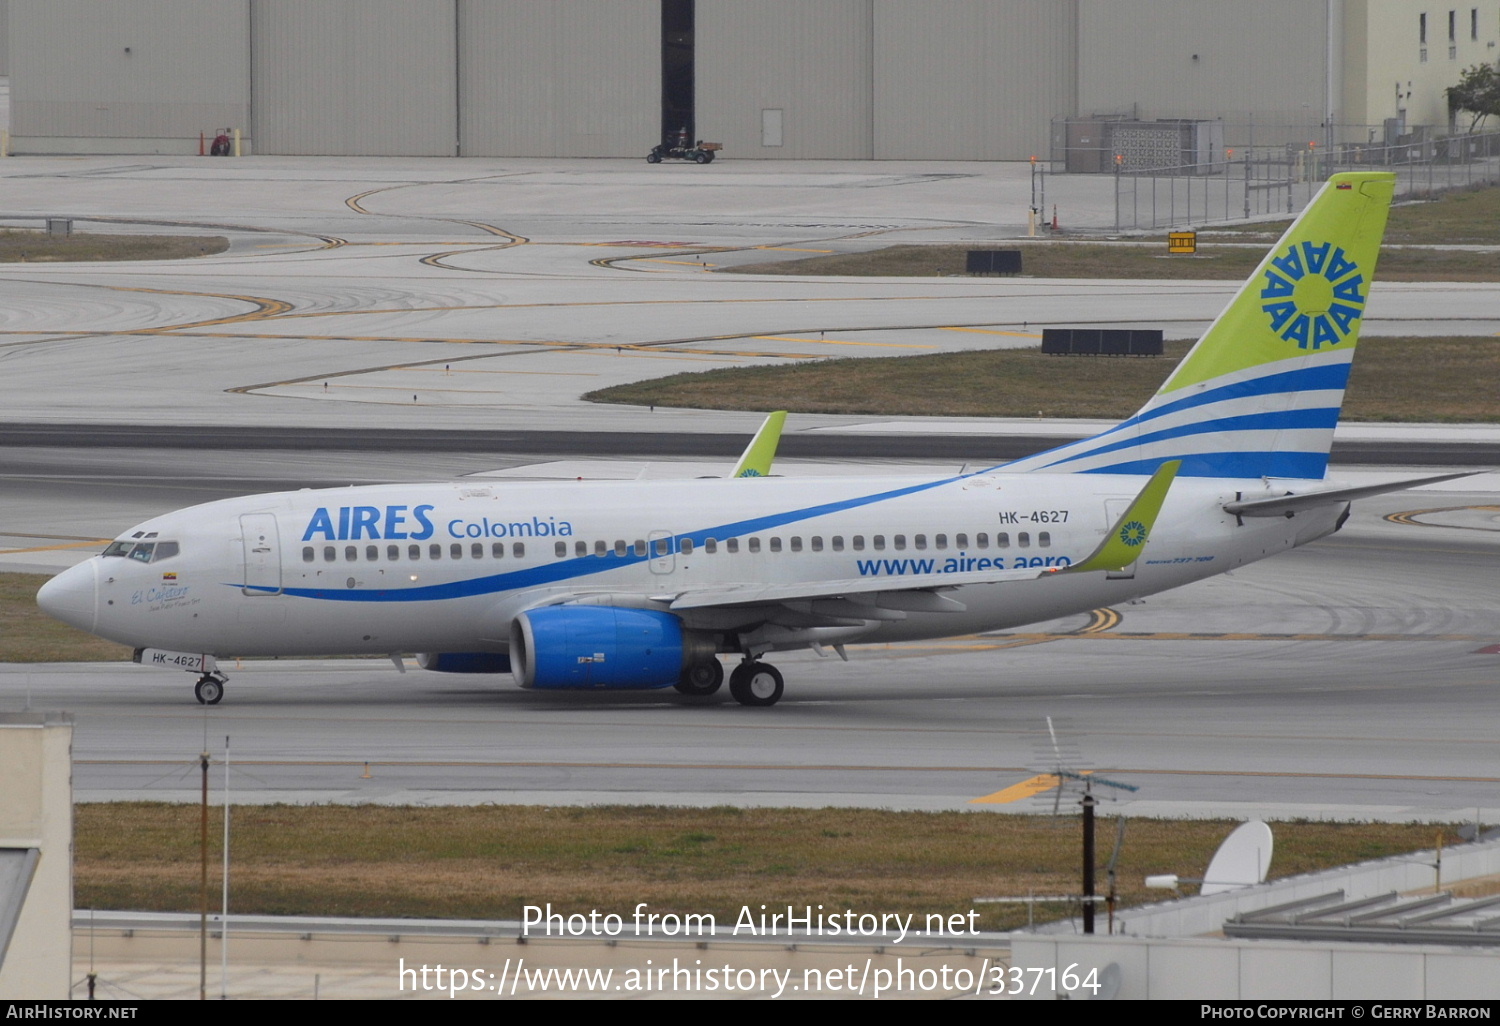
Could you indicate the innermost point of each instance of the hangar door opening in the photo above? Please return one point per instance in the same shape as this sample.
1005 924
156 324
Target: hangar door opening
347 77
677 72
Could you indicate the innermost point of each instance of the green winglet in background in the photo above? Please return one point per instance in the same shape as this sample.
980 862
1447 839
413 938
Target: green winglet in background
1126 540
756 460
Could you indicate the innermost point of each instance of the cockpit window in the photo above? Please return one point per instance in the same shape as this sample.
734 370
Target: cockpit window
143 551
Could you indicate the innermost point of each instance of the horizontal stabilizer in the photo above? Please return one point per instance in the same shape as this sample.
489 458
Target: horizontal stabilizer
1286 505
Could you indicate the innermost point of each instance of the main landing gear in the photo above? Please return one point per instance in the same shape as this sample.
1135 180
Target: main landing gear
210 688
756 684
752 683
701 679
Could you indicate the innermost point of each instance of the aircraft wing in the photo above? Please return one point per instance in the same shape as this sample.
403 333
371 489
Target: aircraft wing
1121 546
1289 504
887 588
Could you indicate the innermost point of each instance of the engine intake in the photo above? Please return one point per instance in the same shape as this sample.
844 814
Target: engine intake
602 647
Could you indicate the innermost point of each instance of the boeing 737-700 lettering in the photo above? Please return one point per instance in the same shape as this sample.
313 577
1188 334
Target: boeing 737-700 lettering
648 584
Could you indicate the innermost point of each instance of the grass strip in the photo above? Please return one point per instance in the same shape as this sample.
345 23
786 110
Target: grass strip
487 862
22 246
1468 217
1394 379
1056 259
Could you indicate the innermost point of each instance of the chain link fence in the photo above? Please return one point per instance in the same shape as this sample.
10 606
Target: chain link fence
1267 184
1181 174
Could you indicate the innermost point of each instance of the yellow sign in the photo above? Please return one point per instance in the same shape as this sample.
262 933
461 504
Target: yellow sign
1182 242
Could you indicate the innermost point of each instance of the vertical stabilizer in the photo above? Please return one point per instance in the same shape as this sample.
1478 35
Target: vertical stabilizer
1259 395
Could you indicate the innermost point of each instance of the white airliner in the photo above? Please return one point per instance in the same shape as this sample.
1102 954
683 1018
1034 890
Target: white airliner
634 585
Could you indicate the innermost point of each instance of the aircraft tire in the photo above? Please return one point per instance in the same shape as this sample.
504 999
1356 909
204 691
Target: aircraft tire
756 684
701 679
209 691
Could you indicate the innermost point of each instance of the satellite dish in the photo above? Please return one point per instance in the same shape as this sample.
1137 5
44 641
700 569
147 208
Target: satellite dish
1111 979
1241 861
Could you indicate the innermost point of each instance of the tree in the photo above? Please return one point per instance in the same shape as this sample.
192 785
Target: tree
1478 92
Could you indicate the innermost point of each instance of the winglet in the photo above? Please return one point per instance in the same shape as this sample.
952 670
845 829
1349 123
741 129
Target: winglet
756 460
1123 544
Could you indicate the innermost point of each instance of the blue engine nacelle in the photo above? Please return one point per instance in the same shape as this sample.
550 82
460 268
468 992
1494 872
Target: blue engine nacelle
602 647
464 662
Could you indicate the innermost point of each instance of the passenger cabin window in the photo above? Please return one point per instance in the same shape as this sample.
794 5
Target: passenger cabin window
858 543
878 542
1002 540
435 551
687 546
497 550
898 541
775 544
308 553
330 554
796 543
661 546
619 546
476 550
414 552
372 552
639 547
393 552
817 544
732 545
961 540
560 549
940 541
351 553
838 543
1044 539
754 544
982 540
601 548
581 548
456 550
518 550
1024 540
919 541
710 545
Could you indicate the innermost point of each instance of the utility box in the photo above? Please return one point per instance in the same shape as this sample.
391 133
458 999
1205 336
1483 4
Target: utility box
59 227
1101 342
993 261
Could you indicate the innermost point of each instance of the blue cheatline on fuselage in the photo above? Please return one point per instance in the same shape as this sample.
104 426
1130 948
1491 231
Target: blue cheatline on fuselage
583 566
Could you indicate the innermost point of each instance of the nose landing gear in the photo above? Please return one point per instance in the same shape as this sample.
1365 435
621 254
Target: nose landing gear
210 688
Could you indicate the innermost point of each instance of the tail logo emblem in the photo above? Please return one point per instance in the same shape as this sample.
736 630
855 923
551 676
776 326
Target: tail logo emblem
1313 295
1133 533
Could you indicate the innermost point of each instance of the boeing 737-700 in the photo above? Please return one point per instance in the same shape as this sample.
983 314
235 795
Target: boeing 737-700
647 584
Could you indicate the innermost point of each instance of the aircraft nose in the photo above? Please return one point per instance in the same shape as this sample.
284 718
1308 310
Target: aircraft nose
72 596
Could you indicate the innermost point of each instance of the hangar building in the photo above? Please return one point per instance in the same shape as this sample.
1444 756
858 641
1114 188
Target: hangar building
837 79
